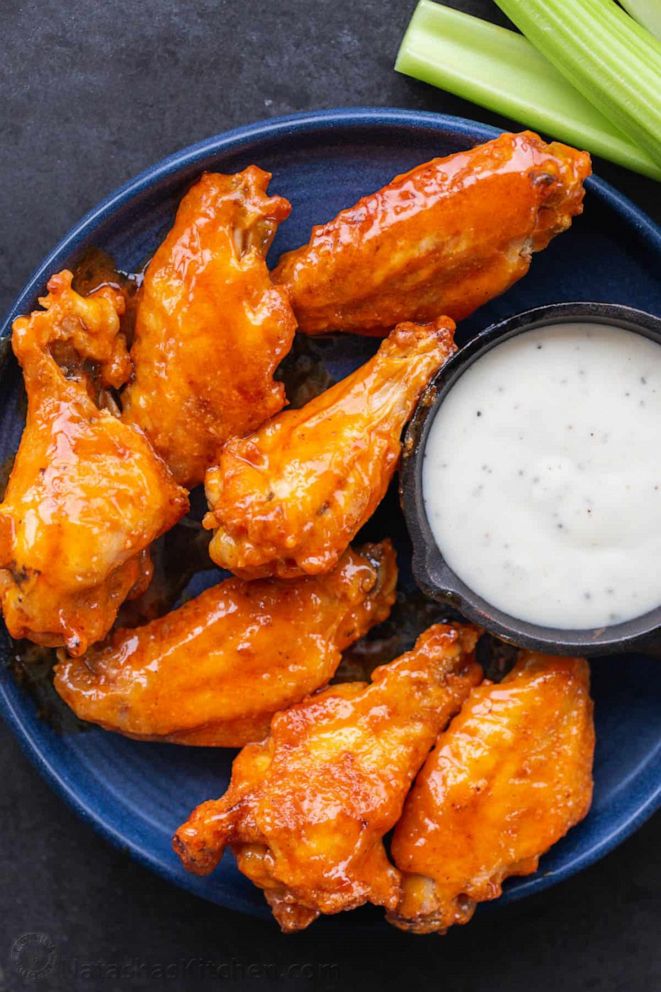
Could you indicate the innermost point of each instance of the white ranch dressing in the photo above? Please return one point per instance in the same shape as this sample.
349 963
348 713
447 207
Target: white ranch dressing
542 476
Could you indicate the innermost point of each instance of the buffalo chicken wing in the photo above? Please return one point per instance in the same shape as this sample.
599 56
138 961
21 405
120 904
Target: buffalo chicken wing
215 671
210 327
307 808
288 499
87 494
507 779
445 237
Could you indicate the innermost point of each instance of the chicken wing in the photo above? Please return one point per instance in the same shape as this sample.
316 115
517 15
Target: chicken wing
307 808
288 499
215 671
87 494
210 327
445 237
509 777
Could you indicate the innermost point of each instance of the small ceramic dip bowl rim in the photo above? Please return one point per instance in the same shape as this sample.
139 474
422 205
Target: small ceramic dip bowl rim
431 572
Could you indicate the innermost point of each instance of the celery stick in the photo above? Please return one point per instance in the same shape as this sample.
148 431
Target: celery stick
647 13
500 70
604 55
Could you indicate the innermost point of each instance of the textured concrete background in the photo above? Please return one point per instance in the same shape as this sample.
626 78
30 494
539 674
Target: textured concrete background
93 92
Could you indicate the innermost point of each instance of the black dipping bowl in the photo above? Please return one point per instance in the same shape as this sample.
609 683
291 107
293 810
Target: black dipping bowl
433 574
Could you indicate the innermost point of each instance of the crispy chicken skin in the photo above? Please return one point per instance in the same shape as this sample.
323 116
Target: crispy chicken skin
307 808
210 327
445 237
288 499
215 671
507 779
87 495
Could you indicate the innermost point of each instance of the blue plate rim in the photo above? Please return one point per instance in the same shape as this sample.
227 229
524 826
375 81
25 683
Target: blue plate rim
268 128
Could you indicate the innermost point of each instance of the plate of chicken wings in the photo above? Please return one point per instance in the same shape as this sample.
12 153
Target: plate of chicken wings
214 647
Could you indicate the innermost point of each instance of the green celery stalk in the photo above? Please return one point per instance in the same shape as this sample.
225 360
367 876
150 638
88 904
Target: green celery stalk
500 70
605 55
647 13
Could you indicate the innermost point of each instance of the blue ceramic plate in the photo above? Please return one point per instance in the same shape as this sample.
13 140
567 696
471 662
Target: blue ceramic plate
136 794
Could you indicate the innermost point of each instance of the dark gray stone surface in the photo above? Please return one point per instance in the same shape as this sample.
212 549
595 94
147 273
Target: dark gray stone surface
93 92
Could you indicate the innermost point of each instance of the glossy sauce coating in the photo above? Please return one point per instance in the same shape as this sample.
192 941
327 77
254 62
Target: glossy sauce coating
210 327
86 495
288 499
307 808
506 780
445 237
214 671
